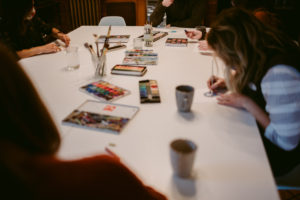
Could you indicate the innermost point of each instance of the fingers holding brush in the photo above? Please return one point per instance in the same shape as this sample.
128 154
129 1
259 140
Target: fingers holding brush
215 83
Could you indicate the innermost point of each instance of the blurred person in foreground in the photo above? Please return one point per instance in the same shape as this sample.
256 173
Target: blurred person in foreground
29 141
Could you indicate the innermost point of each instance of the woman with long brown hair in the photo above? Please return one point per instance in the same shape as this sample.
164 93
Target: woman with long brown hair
29 140
263 75
24 32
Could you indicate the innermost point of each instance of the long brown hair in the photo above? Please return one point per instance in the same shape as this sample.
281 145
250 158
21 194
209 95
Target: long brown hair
23 116
27 129
14 13
245 44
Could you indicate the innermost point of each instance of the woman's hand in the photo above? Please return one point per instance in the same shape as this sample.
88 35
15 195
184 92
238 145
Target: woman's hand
242 101
204 46
63 37
215 83
234 100
167 3
197 35
49 48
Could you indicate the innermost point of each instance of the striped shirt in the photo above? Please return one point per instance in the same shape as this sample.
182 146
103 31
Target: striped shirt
281 90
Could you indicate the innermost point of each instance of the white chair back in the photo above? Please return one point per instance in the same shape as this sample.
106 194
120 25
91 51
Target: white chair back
112 21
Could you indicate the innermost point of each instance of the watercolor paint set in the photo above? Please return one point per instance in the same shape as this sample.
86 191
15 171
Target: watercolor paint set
149 92
129 70
104 90
177 42
102 116
114 38
140 57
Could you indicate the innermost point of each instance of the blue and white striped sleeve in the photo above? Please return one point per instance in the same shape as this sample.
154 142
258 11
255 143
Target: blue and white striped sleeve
281 90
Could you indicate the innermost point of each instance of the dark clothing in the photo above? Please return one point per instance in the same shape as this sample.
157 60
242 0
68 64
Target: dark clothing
182 13
222 5
98 177
37 33
281 161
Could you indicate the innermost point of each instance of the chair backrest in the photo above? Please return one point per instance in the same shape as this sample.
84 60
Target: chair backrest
290 181
133 11
112 21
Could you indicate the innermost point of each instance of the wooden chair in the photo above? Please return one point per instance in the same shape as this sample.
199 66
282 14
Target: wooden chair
133 11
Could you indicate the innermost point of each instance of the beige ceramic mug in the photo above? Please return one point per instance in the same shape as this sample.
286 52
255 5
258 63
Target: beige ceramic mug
182 154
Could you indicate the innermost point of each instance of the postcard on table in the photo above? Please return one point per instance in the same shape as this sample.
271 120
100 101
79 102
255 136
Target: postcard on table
101 116
114 38
177 42
140 57
105 91
140 61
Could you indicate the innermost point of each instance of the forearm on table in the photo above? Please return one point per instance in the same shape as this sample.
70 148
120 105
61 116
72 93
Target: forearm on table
259 114
158 14
25 53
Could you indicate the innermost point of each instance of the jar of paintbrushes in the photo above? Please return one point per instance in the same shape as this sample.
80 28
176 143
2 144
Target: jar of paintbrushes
98 60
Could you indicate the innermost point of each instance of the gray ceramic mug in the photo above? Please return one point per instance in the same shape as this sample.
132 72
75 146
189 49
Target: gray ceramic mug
184 97
182 154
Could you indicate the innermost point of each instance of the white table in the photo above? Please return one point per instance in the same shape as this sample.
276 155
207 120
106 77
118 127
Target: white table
231 162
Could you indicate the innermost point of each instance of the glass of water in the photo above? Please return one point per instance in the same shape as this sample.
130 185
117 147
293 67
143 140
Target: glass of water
138 43
72 58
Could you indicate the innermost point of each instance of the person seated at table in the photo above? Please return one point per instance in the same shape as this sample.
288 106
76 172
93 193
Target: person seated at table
29 141
24 32
180 13
260 10
263 75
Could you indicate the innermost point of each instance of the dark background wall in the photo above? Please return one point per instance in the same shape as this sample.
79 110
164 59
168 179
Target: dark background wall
70 14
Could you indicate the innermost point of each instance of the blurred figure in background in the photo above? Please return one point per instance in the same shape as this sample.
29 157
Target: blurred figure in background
263 75
180 13
29 141
283 18
24 32
261 9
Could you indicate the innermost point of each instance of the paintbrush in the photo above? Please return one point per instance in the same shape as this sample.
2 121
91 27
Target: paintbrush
103 53
96 36
212 76
214 64
89 47
106 44
116 47
96 42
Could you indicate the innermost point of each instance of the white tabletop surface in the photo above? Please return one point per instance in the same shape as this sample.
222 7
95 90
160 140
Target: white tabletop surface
230 163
